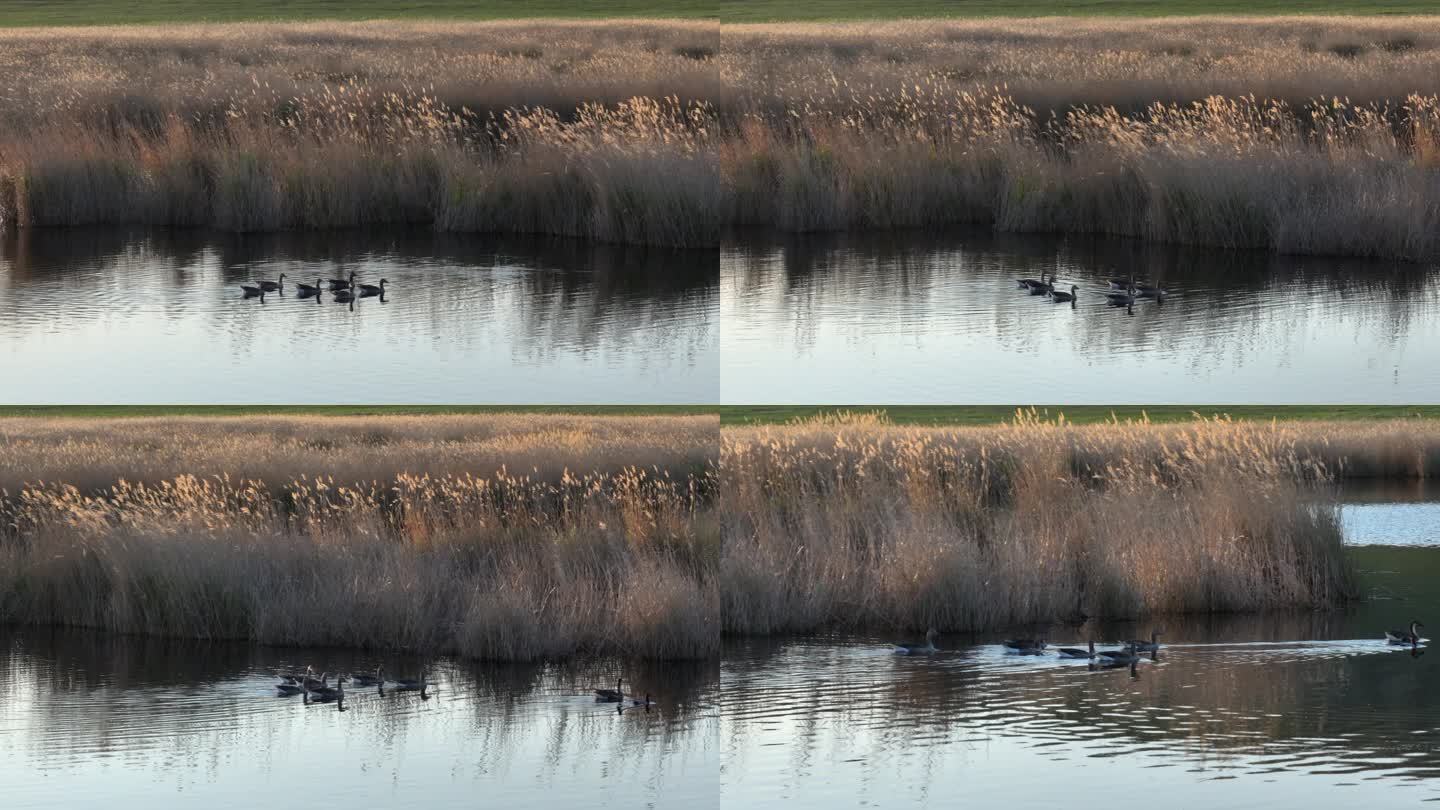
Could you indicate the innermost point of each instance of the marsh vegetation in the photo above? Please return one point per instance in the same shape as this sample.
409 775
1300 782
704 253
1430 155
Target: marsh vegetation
853 522
504 536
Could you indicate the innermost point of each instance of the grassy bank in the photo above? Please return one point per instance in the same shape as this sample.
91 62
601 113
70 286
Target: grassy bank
504 537
980 415
860 523
152 12
596 130
752 11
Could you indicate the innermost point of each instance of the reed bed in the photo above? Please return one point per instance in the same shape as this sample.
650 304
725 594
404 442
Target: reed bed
853 522
1315 135
581 129
501 537
1294 135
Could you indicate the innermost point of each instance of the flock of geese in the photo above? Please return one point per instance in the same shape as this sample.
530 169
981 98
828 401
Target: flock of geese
1123 292
319 690
1127 655
345 289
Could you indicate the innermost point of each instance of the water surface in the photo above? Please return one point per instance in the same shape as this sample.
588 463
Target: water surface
914 318
1283 709
158 316
88 720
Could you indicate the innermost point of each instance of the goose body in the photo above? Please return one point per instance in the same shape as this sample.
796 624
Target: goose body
1121 296
251 290
1121 283
919 649
1402 637
1075 652
324 694
1043 287
290 688
411 684
1118 657
1028 283
1030 646
306 289
344 296
272 286
1059 296
373 289
1149 292
342 283
611 695
297 677
1146 646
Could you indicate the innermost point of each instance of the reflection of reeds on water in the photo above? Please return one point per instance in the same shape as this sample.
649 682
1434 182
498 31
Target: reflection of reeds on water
396 533
854 522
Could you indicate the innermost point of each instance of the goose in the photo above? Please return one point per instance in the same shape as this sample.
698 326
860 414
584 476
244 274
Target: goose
1118 657
373 289
1043 287
322 682
1143 291
1059 296
611 695
1147 646
252 290
290 688
1121 283
1025 645
370 680
1029 283
343 283
324 694
1402 637
1121 296
272 286
344 296
411 684
1075 652
306 289
919 649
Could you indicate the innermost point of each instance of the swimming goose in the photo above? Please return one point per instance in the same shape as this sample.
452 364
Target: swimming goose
411 684
343 283
325 694
1147 646
344 296
1030 283
1074 652
290 688
252 290
1121 296
611 695
1402 637
1060 295
1044 287
920 649
322 682
306 289
296 678
1150 292
373 289
272 286
1025 645
370 680
1118 657
1121 283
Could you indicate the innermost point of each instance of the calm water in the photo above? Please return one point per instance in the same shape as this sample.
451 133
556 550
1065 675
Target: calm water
122 317
1290 710
924 319
90 721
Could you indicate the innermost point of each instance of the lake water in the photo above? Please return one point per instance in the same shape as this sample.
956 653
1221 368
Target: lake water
153 316
1307 710
88 721
915 318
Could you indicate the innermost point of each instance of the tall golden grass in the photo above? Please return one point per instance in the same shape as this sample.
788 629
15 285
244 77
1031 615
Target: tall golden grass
1298 135
855 522
504 537
578 129
1292 135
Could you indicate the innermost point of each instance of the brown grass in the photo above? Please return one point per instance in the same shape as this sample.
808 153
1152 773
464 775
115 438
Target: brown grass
509 537
1292 135
582 129
854 522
